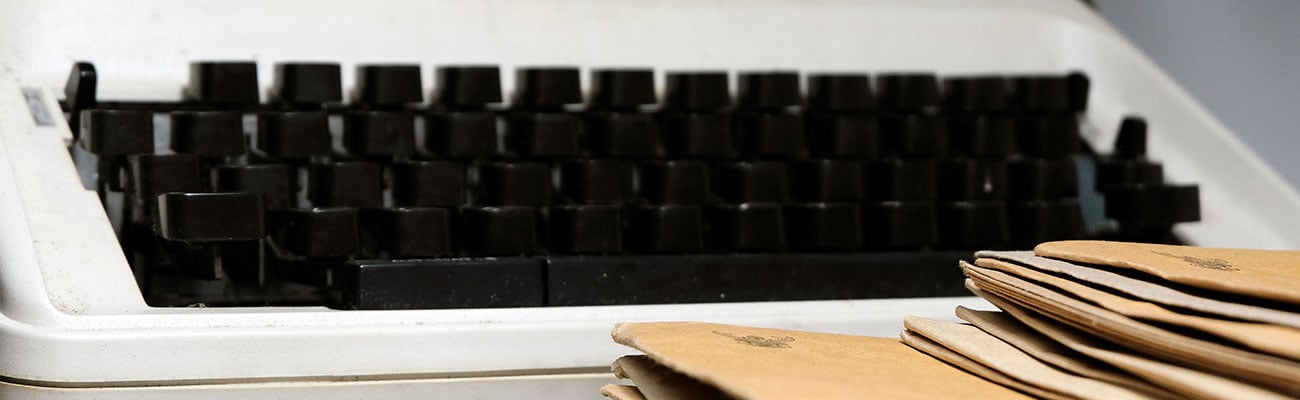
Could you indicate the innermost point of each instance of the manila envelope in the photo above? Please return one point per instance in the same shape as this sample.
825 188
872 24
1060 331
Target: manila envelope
1265 274
769 364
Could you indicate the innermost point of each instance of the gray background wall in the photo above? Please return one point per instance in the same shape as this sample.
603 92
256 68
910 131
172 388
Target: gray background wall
1239 58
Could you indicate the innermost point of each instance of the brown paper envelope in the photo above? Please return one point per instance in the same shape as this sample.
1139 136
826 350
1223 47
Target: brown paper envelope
1150 291
1266 274
1261 369
991 352
768 364
658 383
1272 339
621 392
1064 358
951 357
1188 382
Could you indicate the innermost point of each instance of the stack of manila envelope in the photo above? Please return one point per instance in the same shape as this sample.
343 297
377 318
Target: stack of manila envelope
1109 320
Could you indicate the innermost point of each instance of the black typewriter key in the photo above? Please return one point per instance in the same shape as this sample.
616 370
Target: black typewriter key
1034 222
1041 94
897 179
547 88
1113 173
1042 179
622 89
516 184
116 132
971 179
840 92
598 181
225 83
153 174
972 224
914 135
442 284
389 85
827 180
982 135
698 135
544 134
976 94
774 135
1128 164
769 90
208 133
1131 142
406 232
748 227
697 91
350 184
632 135
1153 205
675 182
912 92
665 229
307 83
500 231
824 226
843 135
316 232
1078 83
898 224
210 217
462 134
753 182
1051 136
468 86
272 181
586 229
295 134
79 92
379 133
428 183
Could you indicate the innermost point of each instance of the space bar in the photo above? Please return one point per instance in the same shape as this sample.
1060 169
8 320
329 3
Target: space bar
646 279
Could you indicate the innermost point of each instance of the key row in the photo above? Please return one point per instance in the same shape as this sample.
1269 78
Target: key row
476 86
385 134
414 232
603 181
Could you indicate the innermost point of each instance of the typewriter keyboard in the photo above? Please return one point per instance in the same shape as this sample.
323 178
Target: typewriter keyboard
636 190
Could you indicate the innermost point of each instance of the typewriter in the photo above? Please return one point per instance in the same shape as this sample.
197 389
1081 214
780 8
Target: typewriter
415 199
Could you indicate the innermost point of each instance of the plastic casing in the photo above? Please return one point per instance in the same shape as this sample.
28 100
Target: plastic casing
73 324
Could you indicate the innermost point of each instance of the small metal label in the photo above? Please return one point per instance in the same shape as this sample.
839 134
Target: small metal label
36 104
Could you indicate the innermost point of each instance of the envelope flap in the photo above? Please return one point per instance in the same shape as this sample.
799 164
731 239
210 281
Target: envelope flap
1267 274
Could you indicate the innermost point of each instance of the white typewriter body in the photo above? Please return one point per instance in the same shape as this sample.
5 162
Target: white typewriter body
74 325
